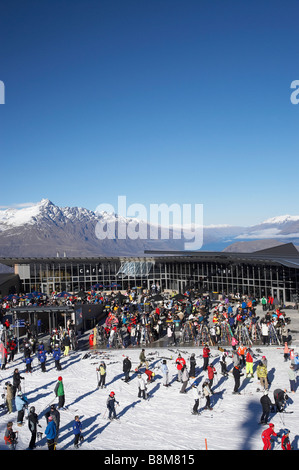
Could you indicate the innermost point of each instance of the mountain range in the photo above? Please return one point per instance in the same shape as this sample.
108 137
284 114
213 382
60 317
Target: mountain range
46 230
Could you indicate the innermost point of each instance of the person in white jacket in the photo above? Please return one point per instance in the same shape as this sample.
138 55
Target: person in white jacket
141 387
165 373
196 394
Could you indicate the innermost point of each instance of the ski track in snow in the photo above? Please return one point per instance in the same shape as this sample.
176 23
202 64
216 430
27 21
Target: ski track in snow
164 422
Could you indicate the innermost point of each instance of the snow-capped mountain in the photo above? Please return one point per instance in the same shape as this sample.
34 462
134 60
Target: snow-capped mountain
44 229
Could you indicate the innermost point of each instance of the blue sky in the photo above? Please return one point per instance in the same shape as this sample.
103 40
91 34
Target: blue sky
161 101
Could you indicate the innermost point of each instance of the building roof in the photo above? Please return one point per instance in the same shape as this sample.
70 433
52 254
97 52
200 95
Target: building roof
286 255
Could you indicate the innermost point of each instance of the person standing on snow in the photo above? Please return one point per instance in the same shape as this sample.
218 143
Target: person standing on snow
196 393
111 401
206 355
32 425
126 368
207 394
192 366
50 433
266 407
180 362
59 392
102 370
211 373
237 375
165 373
249 363
141 387
77 430
57 356
185 378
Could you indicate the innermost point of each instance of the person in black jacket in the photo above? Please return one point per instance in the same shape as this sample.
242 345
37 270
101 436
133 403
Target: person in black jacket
126 368
266 407
192 366
32 425
237 374
16 381
280 399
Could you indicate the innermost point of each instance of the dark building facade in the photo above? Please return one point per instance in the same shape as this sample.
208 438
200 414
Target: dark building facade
274 271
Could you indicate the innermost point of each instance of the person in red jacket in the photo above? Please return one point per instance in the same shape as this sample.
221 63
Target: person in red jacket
180 362
285 441
266 436
211 373
206 355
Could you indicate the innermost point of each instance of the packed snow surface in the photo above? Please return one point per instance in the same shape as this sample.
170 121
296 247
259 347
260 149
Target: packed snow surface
164 421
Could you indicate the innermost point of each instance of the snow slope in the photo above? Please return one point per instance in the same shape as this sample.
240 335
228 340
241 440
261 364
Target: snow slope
164 422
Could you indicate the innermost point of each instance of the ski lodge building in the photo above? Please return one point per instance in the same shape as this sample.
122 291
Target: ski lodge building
273 271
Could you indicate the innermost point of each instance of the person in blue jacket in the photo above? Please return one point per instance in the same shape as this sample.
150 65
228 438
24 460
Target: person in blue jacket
50 433
21 403
42 357
28 360
56 356
77 430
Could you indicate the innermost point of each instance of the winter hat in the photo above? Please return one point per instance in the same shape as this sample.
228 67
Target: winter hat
60 379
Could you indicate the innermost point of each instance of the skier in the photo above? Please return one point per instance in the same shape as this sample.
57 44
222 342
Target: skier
16 381
237 374
211 373
249 363
266 407
59 392
262 374
192 366
292 378
66 342
32 425
223 364
102 370
57 356
165 373
285 440
77 430
141 387
55 415
111 401
28 362
10 436
241 352
206 355
267 435
207 394
196 393
21 403
280 399
126 368
150 375
9 396
50 433
286 352
42 359
185 378
180 362
142 360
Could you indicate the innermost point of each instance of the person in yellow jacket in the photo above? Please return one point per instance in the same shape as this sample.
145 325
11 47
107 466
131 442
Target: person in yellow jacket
102 371
261 373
